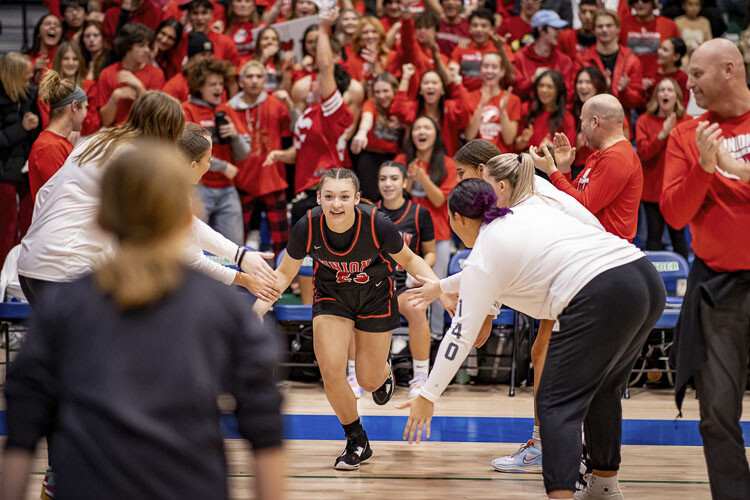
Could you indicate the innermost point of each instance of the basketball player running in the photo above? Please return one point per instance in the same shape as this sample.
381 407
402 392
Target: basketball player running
353 294
604 292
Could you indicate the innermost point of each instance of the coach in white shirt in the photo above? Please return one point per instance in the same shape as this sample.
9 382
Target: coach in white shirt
604 292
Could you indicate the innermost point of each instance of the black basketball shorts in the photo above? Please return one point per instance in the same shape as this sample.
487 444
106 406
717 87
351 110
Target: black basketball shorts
372 306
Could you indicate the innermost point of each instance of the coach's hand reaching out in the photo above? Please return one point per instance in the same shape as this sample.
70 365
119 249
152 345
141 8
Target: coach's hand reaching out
422 297
420 415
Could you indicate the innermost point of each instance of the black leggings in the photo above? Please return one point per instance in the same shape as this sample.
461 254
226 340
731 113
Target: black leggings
655 228
602 331
33 287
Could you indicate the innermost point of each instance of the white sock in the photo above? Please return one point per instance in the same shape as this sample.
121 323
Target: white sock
421 366
536 438
610 483
351 370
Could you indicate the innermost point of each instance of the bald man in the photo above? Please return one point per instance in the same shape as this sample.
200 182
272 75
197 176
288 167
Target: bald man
611 182
706 186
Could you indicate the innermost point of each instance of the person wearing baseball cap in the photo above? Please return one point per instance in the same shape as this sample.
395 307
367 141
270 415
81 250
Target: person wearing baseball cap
199 48
542 55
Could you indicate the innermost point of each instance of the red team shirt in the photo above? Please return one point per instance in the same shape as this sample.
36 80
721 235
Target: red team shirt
449 35
717 206
514 27
644 39
320 141
491 129
527 62
151 76
652 152
264 123
569 44
48 153
470 59
148 13
610 187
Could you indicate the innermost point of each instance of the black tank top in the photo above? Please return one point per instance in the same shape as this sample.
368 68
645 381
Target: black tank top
363 262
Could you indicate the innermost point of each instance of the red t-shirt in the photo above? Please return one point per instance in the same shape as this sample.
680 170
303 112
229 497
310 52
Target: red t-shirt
177 87
151 77
204 116
470 60
320 141
449 35
381 138
717 205
148 14
439 214
610 187
456 114
242 36
515 27
491 128
644 39
652 152
265 123
48 153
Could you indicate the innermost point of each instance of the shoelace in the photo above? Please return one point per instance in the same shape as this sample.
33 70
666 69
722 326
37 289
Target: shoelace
522 448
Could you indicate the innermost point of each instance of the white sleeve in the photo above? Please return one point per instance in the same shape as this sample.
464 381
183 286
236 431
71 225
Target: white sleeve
474 304
212 241
451 284
195 258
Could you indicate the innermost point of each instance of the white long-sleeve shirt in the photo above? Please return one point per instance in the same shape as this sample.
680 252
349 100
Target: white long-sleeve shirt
547 194
65 241
535 261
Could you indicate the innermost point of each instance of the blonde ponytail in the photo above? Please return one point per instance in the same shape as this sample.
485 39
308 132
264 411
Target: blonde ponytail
54 88
518 171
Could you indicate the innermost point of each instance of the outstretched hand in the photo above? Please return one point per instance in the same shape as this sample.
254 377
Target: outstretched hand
420 416
426 294
254 264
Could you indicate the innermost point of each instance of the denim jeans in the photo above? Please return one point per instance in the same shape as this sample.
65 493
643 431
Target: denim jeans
223 211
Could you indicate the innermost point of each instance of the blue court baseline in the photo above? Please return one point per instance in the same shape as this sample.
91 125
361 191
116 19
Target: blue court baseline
470 429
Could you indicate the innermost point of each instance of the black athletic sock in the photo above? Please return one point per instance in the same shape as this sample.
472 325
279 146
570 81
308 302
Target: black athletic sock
354 431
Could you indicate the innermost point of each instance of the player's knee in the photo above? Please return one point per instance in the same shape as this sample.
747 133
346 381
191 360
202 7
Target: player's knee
369 380
330 372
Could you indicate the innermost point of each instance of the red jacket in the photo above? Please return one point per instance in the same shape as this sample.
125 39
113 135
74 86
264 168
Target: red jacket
627 64
652 151
717 206
644 39
610 187
456 114
527 61
411 52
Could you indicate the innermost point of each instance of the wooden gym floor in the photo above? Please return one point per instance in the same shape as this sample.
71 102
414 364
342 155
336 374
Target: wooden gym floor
662 459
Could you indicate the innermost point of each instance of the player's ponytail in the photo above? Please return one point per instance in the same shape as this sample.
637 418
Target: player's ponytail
145 204
194 143
475 199
518 171
59 92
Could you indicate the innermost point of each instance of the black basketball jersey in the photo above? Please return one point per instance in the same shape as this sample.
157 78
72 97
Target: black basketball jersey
364 261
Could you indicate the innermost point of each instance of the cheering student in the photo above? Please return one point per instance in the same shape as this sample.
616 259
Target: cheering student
481 29
87 373
606 295
353 296
68 107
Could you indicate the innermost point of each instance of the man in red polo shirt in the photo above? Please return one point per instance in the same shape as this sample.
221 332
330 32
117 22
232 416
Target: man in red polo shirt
542 55
470 58
706 185
644 32
573 42
611 183
136 11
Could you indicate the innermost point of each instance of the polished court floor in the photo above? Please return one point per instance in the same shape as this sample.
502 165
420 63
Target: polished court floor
662 457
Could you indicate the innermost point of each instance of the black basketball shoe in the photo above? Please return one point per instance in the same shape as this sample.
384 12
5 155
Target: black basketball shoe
385 391
357 451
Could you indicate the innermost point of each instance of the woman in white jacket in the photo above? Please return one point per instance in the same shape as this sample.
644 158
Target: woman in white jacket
65 241
604 292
